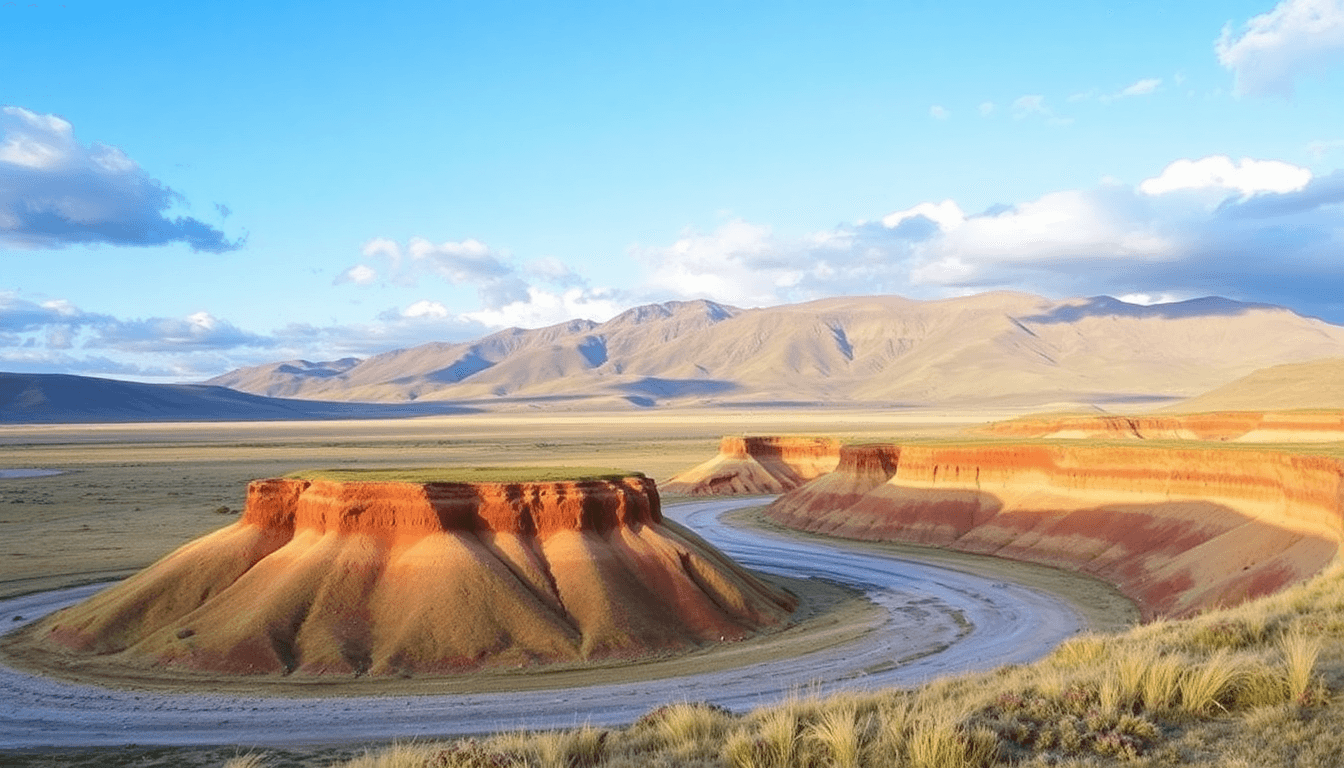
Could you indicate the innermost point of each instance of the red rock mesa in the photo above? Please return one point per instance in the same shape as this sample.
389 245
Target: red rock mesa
758 465
1176 530
397 578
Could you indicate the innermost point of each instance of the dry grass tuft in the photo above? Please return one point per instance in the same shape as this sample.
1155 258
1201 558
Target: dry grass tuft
1300 653
838 733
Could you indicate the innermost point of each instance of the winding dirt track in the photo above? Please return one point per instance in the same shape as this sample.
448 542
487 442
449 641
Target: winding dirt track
938 621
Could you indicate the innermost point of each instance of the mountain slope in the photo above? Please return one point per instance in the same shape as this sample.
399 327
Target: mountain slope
1007 349
1292 386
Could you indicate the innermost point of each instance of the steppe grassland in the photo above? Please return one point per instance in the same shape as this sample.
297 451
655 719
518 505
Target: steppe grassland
128 494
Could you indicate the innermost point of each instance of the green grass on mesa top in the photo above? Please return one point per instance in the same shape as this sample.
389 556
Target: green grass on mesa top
464 474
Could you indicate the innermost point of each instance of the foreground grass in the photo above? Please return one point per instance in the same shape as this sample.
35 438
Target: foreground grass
1255 685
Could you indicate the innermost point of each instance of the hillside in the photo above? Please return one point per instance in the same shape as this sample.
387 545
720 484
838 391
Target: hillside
994 349
1314 384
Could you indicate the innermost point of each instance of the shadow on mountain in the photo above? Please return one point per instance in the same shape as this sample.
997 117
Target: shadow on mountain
655 387
1105 306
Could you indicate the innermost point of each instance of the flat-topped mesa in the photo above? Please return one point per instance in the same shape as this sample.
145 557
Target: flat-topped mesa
1176 530
1235 426
861 469
409 578
758 465
408 509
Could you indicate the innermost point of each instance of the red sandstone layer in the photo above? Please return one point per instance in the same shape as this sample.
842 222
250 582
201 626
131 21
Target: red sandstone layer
1175 530
406 578
1240 426
758 465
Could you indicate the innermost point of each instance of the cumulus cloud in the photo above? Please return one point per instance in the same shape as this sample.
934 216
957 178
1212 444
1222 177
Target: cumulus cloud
1296 37
541 292
62 325
468 262
55 191
198 331
1248 177
1253 230
542 308
938 112
55 335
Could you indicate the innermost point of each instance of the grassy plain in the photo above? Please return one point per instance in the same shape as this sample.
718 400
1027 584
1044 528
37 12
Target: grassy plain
130 493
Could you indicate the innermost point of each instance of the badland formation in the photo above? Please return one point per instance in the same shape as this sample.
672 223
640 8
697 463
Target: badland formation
398 578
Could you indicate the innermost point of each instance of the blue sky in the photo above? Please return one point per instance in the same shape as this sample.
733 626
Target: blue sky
186 188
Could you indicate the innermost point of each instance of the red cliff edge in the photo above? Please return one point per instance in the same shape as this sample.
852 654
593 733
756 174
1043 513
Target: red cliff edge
758 465
1233 426
1176 530
390 578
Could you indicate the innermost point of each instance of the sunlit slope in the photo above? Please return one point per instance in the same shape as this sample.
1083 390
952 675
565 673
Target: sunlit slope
991 349
1315 384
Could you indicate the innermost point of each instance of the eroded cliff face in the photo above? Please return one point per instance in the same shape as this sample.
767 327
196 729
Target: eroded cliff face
1232 426
1175 530
758 465
382 578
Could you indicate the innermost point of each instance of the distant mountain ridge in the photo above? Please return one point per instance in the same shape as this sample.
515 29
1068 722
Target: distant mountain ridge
992 349
36 398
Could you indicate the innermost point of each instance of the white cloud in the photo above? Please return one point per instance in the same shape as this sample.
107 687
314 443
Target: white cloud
360 274
1149 299
1218 172
1141 88
1274 48
938 112
56 192
426 308
1254 230
554 271
947 215
198 331
469 262
542 308
724 264
986 108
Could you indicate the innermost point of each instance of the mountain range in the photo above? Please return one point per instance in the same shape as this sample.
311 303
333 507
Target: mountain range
987 350
992 350
51 398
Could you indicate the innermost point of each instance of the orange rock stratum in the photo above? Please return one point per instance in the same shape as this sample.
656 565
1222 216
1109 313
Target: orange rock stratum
1233 426
1176 530
758 465
395 578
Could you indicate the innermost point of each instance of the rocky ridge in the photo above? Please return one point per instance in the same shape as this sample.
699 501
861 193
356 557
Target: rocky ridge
1176 530
758 465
